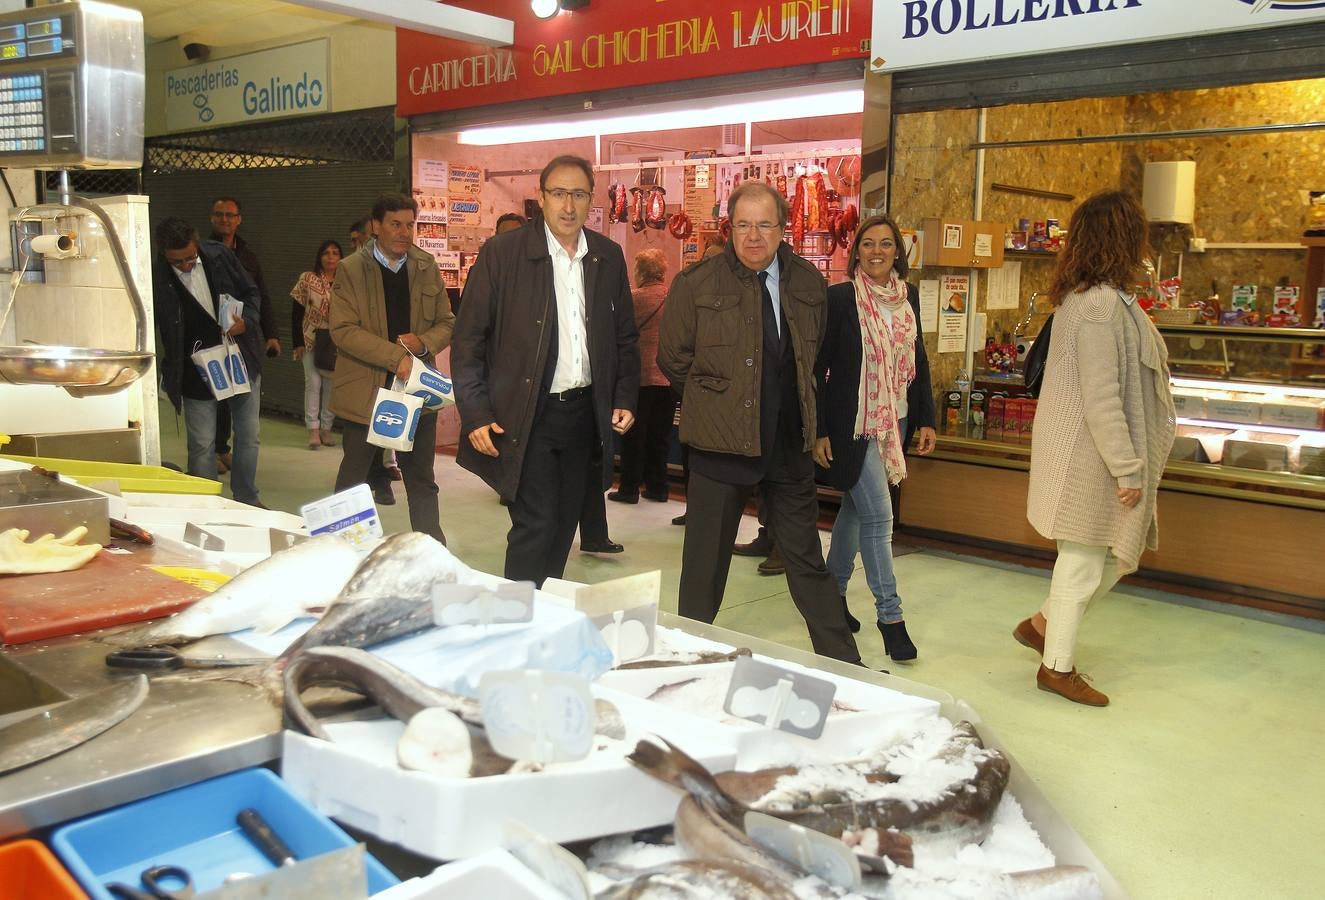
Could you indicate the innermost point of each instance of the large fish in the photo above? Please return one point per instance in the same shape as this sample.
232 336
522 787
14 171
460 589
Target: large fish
701 879
267 596
388 596
402 696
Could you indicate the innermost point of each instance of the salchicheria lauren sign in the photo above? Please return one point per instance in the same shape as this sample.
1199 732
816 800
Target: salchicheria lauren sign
911 34
277 83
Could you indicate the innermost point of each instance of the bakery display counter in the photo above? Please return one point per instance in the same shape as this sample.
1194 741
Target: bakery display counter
1252 533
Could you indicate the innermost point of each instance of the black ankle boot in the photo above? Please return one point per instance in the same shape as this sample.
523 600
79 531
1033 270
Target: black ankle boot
852 622
897 642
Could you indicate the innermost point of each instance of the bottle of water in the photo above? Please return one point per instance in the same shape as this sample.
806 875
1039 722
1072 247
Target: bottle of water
963 387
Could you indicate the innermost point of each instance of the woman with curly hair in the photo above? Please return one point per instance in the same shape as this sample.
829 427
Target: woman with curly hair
1102 432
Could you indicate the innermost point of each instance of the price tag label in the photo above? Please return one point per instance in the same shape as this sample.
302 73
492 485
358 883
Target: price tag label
808 850
202 538
625 612
537 716
779 698
284 540
350 514
467 604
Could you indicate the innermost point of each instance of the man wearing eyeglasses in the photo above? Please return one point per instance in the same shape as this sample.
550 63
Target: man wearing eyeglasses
387 306
546 368
739 337
188 278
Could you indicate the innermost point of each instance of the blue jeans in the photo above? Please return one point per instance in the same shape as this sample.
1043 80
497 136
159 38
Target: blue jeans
865 525
200 422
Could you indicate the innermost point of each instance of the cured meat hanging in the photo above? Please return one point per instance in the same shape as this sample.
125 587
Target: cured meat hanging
616 210
656 215
637 208
680 226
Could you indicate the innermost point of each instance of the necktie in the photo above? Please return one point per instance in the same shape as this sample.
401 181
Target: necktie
770 314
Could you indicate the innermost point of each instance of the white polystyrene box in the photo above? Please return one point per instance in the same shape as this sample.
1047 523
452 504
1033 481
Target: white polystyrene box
355 779
493 873
1168 191
881 715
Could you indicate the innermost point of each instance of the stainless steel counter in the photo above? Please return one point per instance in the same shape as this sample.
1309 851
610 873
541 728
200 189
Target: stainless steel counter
186 731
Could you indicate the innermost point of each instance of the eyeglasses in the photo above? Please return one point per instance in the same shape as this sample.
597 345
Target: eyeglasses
560 195
765 228
184 263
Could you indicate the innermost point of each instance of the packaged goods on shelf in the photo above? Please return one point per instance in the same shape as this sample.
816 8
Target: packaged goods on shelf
1293 412
1229 407
1187 448
1189 405
1265 450
1211 439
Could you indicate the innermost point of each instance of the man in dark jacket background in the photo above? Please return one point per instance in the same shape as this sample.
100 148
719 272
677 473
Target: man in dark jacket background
545 361
188 278
740 335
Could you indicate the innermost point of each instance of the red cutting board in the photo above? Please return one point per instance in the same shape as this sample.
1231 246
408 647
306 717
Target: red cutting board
113 589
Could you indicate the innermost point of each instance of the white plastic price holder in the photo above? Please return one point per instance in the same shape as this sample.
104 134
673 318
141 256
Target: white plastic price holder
625 611
547 859
203 539
351 514
808 850
779 698
537 716
284 540
468 604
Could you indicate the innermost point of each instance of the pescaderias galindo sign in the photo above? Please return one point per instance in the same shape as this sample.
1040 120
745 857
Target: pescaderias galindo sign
912 34
269 84
622 43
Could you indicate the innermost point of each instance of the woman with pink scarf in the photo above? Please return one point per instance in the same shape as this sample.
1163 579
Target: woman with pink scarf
874 395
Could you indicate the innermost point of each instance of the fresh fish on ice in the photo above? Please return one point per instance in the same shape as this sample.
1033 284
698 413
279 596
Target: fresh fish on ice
267 596
701 879
689 659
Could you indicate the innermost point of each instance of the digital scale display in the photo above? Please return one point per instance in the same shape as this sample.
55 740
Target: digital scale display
27 39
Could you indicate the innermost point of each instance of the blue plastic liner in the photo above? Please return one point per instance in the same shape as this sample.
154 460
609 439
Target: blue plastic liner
194 827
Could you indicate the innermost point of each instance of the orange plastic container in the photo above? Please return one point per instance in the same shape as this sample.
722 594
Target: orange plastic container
29 871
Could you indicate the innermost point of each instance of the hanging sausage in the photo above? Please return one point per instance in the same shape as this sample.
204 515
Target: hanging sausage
680 226
616 195
637 208
656 214
798 214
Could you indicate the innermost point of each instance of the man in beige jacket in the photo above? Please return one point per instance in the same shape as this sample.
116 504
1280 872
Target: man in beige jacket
388 305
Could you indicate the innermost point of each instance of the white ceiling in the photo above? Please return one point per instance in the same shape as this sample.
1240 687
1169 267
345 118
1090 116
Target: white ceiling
222 23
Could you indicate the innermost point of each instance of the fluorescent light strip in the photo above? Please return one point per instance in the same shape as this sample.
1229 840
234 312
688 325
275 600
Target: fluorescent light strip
765 107
1249 387
1243 426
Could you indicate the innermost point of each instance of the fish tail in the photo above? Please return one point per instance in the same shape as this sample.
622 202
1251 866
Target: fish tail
673 766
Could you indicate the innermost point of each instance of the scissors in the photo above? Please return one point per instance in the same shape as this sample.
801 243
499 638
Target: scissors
152 880
165 659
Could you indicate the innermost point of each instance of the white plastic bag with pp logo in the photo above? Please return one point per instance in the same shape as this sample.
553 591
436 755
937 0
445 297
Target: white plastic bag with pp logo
395 418
428 384
214 370
235 367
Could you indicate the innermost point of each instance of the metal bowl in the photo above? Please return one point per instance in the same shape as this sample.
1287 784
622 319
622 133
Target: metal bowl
82 371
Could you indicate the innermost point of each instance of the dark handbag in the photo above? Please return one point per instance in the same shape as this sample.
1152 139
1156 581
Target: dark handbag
324 351
1032 367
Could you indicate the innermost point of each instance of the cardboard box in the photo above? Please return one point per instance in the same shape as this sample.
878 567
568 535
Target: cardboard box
1241 409
994 420
1293 413
1266 451
1189 406
1028 408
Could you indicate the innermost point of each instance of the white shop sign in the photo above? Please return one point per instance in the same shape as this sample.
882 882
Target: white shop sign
286 81
910 34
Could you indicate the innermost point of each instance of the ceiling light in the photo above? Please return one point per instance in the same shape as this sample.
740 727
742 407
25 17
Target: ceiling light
768 106
545 9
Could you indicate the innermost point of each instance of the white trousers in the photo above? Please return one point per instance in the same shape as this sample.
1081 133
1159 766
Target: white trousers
1082 574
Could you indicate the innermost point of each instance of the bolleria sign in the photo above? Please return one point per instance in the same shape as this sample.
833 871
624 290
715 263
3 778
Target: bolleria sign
911 34
286 81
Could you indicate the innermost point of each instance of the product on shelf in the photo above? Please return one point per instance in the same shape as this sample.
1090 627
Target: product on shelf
1211 439
1266 450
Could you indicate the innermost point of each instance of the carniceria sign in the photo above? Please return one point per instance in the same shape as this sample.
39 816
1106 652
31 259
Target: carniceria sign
277 83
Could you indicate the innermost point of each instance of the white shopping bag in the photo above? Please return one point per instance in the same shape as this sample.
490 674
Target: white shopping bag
395 418
213 369
431 386
238 371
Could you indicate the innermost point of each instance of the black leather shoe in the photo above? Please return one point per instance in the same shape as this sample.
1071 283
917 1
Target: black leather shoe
762 545
601 547
384 497
852 622
623 496
897 642
774 564
679 520
655 496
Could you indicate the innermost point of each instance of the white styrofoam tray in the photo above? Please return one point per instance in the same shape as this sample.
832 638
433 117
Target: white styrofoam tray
355 779
494 873
882 715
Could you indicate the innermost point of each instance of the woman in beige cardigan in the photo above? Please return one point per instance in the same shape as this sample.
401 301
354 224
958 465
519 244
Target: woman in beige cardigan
1103 429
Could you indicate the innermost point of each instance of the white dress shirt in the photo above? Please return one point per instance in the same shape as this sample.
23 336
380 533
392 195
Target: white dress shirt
196 281
774 270
572 369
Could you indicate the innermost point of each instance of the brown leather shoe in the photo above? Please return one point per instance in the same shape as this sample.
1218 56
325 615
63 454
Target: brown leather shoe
774 564
1027 636
1071 685
762 545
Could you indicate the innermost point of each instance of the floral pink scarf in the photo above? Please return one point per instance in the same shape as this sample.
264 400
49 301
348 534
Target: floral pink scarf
888 365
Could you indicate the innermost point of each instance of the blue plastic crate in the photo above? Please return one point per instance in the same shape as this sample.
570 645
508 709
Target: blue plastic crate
194 827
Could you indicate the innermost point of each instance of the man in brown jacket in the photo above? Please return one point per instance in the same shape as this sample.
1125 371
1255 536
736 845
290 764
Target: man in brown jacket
740 333
387 305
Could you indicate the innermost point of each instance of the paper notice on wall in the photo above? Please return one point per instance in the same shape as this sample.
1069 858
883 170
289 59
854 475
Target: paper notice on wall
700 191
595 220
466 181
952 333
1004 287
463 213
984 244
433 174
929 306
911 244
954 300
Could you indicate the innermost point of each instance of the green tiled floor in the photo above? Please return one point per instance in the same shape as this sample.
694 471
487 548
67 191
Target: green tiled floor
1204 778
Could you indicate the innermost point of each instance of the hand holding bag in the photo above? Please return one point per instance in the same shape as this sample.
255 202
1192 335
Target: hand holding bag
213 368
1032 368
395 418
324 350
428 384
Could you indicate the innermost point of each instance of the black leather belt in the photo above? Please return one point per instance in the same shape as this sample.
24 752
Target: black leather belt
572 394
